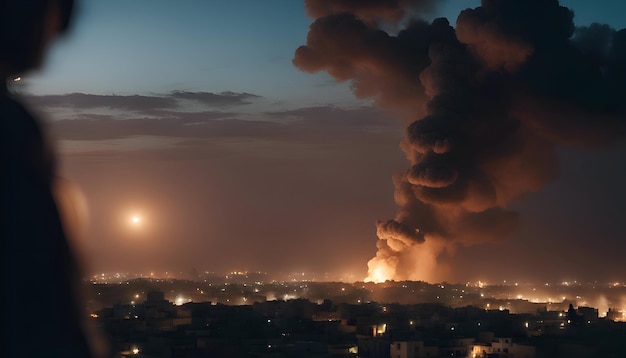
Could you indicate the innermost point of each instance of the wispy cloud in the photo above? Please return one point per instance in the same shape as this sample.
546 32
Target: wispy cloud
110 128
337 116
92 101
223 99
140 103
306 124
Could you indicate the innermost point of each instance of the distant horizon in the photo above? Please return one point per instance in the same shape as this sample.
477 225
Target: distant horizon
496 296
298 276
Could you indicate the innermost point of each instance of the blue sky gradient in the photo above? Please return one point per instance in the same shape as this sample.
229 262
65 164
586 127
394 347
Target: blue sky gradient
157 46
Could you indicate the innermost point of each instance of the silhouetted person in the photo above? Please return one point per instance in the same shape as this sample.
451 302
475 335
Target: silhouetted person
572 316
41 313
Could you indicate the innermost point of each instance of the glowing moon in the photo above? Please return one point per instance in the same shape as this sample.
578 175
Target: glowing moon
135 220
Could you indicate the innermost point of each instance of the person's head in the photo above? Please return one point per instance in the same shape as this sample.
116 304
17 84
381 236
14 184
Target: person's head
27 28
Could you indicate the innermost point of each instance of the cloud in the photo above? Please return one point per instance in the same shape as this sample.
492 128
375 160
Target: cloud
91 101
139 103
223 99
107 127
338 117
306 124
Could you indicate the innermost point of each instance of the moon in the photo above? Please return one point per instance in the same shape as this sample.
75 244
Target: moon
135 220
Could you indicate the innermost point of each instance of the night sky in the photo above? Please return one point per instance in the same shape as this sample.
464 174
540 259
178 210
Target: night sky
192 117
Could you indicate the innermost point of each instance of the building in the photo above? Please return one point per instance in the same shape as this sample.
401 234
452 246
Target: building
502 348
412 349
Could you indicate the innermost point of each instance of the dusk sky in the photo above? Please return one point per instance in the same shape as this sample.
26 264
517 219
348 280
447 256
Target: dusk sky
192 116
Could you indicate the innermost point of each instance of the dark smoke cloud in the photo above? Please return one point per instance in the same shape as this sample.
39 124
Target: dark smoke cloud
380 66
398 235
489 100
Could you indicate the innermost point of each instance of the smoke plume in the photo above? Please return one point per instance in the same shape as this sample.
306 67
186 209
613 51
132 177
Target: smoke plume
488 102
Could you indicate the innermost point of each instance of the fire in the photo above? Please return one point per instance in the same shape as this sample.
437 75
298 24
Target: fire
417 262
381 269
377 275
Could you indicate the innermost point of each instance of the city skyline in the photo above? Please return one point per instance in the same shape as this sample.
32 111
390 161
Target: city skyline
197 143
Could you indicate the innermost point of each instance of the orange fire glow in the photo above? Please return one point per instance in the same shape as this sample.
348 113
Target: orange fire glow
379 271
420 263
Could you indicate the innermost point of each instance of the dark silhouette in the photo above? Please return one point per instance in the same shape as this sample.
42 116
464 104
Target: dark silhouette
573 318
41 311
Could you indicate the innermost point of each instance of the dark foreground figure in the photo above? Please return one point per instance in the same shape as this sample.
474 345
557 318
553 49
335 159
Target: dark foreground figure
41 311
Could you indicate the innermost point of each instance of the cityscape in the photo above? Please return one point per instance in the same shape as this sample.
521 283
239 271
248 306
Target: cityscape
250 314
313 178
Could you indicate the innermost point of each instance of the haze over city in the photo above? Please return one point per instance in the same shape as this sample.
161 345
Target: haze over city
261 136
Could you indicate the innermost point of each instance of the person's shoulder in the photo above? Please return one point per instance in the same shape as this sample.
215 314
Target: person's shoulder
22 141
10 104
16 118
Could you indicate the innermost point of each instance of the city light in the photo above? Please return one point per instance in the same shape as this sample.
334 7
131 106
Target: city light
240 290
181 300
